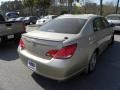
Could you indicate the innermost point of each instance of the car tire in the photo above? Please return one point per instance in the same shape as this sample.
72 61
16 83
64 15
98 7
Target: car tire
92 64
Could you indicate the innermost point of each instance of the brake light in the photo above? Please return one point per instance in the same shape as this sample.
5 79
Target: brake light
21 44
64 53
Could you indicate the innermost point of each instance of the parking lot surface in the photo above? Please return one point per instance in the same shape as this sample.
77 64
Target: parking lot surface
15 76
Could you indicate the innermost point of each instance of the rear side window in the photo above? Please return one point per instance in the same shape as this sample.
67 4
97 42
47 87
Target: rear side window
64 25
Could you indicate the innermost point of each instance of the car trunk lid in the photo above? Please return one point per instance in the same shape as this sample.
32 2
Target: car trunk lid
39 43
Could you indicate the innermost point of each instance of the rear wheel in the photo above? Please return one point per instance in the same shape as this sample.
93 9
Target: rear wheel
92 64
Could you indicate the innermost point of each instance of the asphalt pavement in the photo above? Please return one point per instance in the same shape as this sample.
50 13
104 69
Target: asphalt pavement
15 76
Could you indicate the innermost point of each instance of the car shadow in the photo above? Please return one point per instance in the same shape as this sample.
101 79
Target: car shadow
8 51
105 77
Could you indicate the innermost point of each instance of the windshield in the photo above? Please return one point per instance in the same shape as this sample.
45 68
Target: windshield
65 25
12 14
113 17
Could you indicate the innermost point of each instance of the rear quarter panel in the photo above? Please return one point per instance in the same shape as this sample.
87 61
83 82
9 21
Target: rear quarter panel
85 47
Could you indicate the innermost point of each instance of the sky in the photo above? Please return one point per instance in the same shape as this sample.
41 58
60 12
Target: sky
104 1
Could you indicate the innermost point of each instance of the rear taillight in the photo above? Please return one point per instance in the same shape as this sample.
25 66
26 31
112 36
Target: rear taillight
64 53
21 44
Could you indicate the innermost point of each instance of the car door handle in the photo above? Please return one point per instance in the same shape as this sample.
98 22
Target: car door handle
92 38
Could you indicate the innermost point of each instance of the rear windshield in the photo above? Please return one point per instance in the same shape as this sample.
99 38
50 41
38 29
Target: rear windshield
113 17
65 25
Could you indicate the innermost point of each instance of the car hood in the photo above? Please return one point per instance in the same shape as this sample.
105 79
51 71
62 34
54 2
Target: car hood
49 35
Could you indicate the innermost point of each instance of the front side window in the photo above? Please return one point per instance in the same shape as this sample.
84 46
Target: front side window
64 25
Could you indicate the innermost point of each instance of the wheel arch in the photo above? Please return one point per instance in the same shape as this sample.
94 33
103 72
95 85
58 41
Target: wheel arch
96 50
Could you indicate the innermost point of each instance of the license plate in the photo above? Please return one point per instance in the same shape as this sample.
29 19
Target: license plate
32 65
10 36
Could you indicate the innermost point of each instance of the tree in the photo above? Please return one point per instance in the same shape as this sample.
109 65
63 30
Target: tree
101 7
11 6
29 4
42 4
117 6
70 5
108 8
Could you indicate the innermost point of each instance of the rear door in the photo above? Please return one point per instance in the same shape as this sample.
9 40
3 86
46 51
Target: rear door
101 31
108 30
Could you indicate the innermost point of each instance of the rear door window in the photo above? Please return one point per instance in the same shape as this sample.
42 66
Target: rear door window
98 24
105 23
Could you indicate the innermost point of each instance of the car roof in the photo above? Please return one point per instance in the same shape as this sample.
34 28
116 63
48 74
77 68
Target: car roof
82 16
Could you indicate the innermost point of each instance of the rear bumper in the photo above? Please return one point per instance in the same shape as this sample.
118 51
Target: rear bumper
57 69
